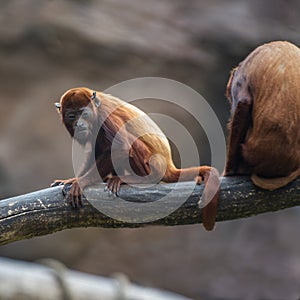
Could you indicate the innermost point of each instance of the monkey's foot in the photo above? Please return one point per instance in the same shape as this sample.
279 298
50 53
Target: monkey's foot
71 191
113 184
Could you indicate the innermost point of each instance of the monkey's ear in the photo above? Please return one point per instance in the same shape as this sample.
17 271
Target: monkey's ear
96 99
57 105
229 84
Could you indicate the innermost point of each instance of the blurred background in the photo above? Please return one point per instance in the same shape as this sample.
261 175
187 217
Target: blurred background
47 47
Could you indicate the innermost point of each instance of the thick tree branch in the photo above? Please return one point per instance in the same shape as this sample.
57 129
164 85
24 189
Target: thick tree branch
46 211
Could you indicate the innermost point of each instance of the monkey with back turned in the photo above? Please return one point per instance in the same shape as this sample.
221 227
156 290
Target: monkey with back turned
264 131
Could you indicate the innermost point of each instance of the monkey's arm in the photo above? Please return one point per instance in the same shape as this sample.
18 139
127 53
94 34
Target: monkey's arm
238 130
88 161
73 187
89 154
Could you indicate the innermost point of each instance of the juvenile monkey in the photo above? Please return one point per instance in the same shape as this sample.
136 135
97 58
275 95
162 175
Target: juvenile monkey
108 123
264 137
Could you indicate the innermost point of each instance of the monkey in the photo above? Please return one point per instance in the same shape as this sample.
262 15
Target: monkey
264 130
106 123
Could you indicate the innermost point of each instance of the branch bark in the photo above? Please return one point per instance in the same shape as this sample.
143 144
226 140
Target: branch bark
45 211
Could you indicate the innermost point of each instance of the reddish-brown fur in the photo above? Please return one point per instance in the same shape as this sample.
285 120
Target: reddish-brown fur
264 138
149 154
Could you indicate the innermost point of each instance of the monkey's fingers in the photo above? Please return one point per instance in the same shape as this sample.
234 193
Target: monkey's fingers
70 195
71 198
116 186
57 183
110 187
113 185
78 196
75 195
66 189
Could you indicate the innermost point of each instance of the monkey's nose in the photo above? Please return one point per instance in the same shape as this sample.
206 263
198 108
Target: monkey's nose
80 125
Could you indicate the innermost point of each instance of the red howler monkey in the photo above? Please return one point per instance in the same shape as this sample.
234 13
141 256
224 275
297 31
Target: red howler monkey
264 138
103 121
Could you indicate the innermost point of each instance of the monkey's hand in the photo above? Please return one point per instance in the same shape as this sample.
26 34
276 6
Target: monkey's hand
113 184
71 191
57 182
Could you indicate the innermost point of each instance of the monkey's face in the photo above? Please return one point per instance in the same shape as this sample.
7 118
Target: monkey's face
78 109
79 123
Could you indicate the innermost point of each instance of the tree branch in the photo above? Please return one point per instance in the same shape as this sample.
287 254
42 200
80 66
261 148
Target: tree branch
46 211
24 280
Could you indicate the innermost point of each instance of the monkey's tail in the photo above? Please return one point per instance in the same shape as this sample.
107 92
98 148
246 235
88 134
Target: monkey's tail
274 183
212 194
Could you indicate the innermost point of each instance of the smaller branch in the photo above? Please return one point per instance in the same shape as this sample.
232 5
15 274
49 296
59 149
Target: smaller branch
46 211
24 280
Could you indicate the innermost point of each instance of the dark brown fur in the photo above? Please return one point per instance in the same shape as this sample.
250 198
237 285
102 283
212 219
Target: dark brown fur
149 154
264 138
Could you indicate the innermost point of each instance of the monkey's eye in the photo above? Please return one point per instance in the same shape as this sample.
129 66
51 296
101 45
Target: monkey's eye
71 117
85 115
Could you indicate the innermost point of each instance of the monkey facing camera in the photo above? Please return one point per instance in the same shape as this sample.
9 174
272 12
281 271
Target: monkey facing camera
117 131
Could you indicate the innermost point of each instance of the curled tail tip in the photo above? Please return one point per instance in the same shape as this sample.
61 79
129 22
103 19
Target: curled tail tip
209 226
209 212
274 183
210 199
209 217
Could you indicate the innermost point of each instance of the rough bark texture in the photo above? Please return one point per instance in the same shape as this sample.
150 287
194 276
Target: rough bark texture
46 211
